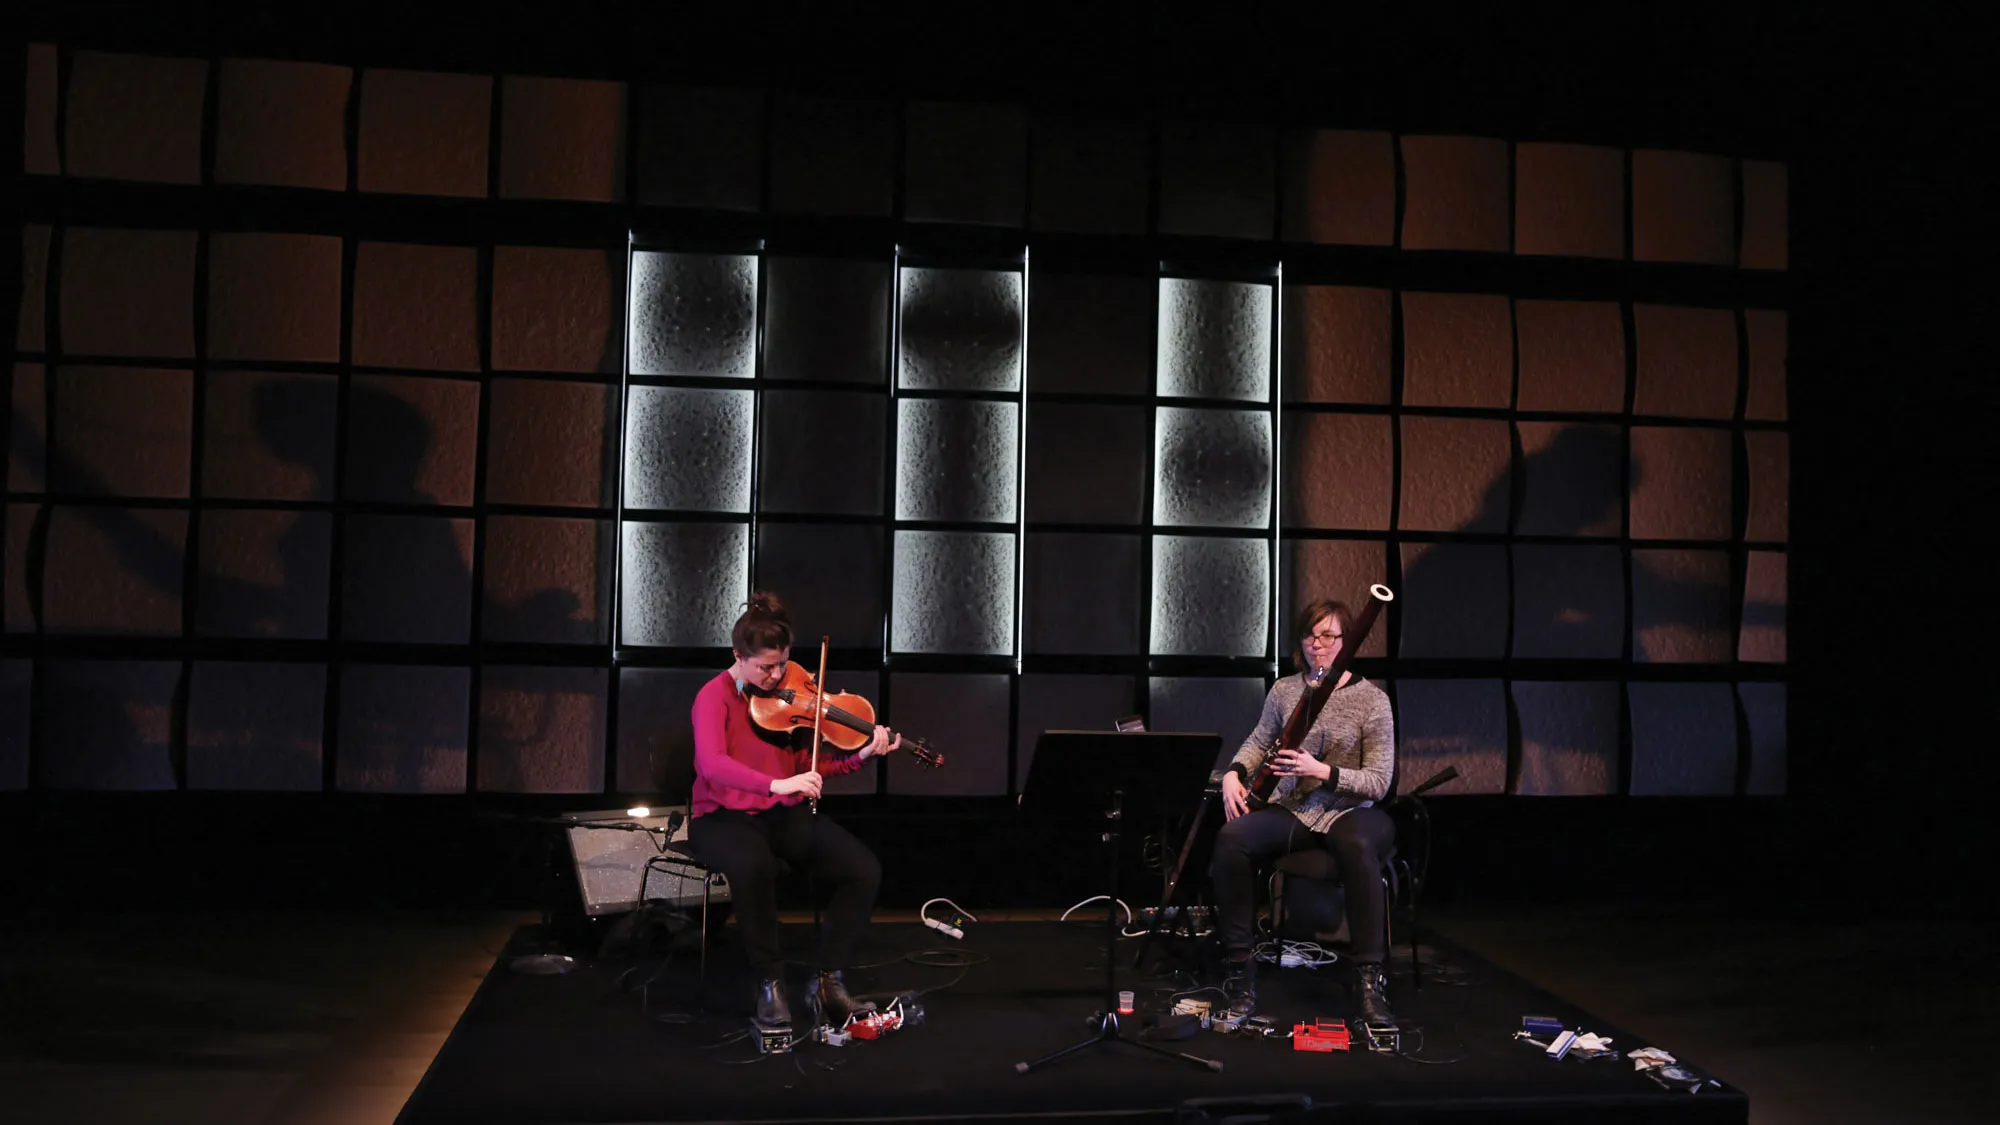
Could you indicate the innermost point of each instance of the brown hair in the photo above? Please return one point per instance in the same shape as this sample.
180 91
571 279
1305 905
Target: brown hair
1309 617
764 625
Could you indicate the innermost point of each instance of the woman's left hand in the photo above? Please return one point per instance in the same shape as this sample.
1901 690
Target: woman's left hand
1294 763
881 744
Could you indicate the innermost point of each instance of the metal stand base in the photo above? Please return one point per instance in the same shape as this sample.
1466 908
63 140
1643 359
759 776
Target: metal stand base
1108 1032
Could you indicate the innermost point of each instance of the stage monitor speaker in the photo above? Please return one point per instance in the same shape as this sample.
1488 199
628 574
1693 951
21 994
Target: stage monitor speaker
611 849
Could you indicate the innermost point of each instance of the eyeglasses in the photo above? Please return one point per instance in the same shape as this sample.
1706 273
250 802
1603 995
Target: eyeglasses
1323 638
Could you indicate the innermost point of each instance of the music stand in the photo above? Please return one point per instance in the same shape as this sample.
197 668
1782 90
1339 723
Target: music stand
1114 775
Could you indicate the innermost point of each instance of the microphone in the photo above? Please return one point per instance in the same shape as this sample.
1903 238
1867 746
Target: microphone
1449 773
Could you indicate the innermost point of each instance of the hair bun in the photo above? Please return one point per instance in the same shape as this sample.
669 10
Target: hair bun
766 603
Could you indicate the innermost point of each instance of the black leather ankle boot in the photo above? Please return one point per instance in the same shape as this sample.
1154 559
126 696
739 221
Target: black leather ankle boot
835 1005
1239 987
774 1007
1370 985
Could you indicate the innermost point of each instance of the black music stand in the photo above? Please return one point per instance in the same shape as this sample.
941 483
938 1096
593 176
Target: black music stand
1115 775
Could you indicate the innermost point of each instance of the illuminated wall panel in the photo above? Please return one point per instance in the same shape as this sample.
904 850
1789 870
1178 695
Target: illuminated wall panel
264 574
701 147
694 314
965 718
547 581
424 133
1339 187
827 319
822 453
274 296
1569 739
550 443
1681 481
411 440
1456 474
1339 469
1092 335
965 163
682 584
1683 207
107 724
1337 345
1687 361
956 460
1211 596
832 156
1572 356
1453 602
562 138
1340 569
1212 468
1569 602
1215 179
135 117
403 729
1680 607
1766 216
1683 739
407 579
1088 176
556 310
1455 194
127 292
1215 340
416 306
954 592
123 431
269 436
1458 350
1569 200
282 123
688 448
256 726
1067 702
1573 479
541 730
1451 723
961 330
1087 463
1084 594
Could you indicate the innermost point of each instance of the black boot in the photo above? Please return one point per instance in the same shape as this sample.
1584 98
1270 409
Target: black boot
835 1005
1239 987
774 1007
1370 983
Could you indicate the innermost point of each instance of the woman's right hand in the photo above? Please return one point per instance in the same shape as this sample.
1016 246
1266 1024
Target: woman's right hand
1235 798
807 783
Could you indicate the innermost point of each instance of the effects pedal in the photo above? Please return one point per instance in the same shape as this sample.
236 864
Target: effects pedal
1382 1038
1320 1035
772 1040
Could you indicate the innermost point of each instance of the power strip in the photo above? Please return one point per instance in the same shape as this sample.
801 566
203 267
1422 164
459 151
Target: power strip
945 928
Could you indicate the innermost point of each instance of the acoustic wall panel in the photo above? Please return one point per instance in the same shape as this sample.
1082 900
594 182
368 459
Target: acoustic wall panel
274 297
264 574
1573 479
688 449
1338 472
122 431
701 147
1215 179
416 306
1569 200
1088 176
1572 356
1337 344
1458 724
1683 207
1455 196
541 730
831 577
551 443
127 292
954 593
411 440
682 584
822 452
1453 601
134 117
1569 738
402 729
282 123
1212 468
407 579
1683 739
562 138
1211 596
424 133
965 163
1092 335
107 724
1458 350
256 725
827 320
269 436
1084 594
961 330
1215 340
1339 569
547 581
693 314
965 718
957 459
1339 186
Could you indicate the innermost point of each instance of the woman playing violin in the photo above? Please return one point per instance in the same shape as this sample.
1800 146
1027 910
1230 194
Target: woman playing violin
749 808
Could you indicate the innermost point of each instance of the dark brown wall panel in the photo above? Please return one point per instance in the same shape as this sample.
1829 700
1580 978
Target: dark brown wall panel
1572 356
1458 350
411 440
1341 569
1766 216
416 306
123 431
557 310
562 138
1683 208
31 330
269 436
424 133
39 154
1455 474
127 292
1569 200
1686 361
1339 187
1337 344
1340 470
1681 482
1455 194
1769 393
548 443
135 117
282 123
274 297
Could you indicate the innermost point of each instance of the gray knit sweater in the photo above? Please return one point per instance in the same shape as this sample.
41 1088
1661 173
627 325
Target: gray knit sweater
1355 732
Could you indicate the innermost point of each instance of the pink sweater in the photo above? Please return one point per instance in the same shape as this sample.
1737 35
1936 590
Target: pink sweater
735 761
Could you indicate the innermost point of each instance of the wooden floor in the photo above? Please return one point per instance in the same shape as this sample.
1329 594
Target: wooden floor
297 1019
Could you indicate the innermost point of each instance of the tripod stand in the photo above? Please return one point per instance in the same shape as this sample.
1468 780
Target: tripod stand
1093 756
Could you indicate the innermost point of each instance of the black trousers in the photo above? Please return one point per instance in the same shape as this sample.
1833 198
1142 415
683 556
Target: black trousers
745 847
1358 840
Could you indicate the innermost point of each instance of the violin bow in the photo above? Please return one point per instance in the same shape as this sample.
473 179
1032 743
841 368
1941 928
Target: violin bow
819 709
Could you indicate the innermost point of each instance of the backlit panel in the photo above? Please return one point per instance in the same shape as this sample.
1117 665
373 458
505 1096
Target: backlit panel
954 592
1569 739
682 584
1458 724
961 330
1683 739
256 726
541 730
1215 340
694 314
688 449
955 460
1213 468
1211 596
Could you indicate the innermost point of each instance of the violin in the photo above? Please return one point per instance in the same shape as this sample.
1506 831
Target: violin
849 718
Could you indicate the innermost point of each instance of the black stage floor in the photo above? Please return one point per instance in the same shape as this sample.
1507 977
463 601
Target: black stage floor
591 1046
